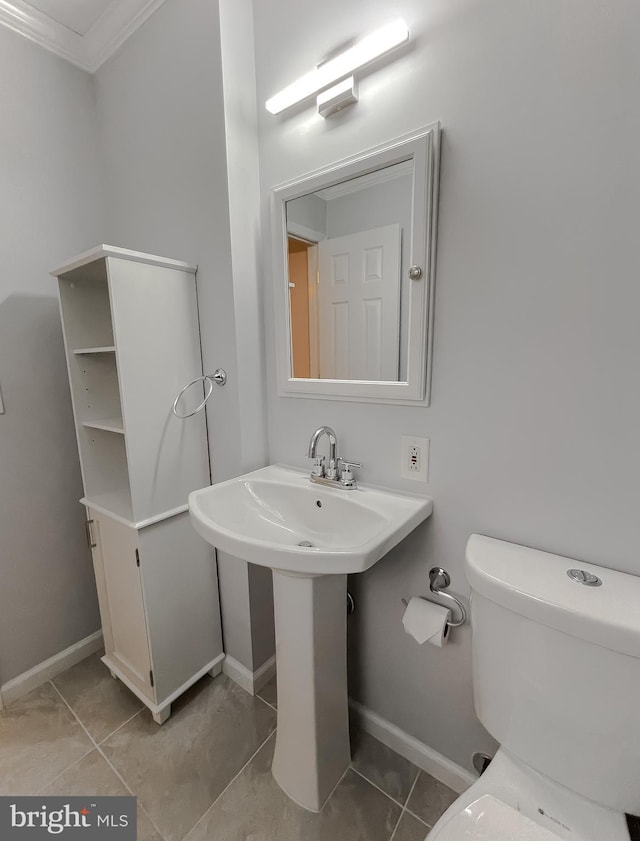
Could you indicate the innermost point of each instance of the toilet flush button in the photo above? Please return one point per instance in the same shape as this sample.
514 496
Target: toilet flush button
584 577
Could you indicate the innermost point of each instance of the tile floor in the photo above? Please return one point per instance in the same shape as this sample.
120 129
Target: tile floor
205 774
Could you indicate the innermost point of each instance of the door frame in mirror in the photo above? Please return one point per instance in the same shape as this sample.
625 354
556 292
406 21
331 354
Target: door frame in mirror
423 149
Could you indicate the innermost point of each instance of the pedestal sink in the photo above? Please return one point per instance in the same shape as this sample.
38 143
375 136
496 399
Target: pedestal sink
311 537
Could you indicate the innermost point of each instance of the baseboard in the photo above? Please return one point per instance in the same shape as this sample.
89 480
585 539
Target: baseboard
426 758
263 675
251 682
24 683
238 673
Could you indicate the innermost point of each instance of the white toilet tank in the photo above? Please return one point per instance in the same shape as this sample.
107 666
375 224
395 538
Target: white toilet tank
556 667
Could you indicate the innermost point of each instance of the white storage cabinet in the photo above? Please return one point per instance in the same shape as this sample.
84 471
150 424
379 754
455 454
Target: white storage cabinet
131 334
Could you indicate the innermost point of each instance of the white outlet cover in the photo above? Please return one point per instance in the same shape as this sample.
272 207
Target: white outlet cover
406 443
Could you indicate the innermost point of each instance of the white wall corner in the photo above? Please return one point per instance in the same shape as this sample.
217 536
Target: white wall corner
31 679
243 176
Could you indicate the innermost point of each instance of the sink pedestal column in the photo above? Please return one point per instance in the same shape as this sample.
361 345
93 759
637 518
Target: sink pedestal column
312 742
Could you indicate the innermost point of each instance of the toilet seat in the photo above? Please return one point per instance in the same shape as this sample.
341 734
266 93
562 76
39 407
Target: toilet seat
489 819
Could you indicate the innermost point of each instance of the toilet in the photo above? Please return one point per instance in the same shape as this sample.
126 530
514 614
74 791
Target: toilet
556 679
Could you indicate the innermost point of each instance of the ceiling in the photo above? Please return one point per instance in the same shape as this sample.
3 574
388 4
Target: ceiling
84 32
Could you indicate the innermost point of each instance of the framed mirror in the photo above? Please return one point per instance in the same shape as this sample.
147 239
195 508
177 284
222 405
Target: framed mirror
354 272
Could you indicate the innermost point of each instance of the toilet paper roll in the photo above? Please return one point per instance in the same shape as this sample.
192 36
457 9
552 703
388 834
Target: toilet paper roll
426 621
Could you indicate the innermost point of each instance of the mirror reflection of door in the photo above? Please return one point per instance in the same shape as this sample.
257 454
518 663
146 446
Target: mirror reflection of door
359 305
348 253
345 305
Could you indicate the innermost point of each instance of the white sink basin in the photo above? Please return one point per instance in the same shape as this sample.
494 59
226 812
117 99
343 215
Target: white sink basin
263 517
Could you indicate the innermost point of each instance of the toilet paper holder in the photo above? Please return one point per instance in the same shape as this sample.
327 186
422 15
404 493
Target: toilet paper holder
439 580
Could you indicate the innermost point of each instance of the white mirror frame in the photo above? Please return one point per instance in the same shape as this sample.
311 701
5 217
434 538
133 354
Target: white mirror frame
423 149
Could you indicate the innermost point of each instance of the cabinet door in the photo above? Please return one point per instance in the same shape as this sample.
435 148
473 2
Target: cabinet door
122 602
155 322
181 598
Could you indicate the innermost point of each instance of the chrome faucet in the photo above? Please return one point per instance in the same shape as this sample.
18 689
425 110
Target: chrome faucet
329 475
318 468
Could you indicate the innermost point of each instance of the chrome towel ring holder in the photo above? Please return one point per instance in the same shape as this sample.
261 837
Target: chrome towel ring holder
219 377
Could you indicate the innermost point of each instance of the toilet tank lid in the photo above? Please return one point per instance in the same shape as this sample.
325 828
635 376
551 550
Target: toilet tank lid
535 584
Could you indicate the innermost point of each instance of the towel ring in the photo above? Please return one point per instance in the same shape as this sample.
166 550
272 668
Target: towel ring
219 376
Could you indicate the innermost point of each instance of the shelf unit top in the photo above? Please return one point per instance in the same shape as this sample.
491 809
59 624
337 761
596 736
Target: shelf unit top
106 424
102 251
118 507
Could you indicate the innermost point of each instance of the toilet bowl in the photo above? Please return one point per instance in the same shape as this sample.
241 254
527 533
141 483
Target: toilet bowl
556 680
513 801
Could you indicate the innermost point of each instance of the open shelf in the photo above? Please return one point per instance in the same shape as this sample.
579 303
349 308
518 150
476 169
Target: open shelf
108 424
105 469
96 395
131 339
84 293
106 349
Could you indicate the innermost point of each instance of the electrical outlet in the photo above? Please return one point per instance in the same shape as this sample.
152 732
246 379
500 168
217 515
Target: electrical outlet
414 458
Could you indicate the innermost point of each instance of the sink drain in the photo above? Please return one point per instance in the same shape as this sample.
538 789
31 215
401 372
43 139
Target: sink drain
306 543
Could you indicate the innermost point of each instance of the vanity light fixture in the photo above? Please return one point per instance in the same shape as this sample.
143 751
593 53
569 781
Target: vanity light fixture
362 52
340 96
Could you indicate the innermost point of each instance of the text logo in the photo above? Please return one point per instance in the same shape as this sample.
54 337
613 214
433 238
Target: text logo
88 818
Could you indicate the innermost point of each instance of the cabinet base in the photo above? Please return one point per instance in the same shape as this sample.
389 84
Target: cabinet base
162 711
163 715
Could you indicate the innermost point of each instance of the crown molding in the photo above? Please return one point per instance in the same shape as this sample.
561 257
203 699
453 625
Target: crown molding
119 21
43 30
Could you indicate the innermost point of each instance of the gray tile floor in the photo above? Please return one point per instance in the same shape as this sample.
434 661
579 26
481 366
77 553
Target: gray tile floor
205 774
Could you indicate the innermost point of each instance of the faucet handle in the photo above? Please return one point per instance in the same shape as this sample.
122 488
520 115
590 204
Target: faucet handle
346 476
318 466
331 472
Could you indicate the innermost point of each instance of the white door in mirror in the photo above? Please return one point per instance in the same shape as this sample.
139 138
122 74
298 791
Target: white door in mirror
359 305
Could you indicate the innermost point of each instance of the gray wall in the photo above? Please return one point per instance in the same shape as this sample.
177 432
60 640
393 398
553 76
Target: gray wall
164 140
535 407
310 211
50 208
